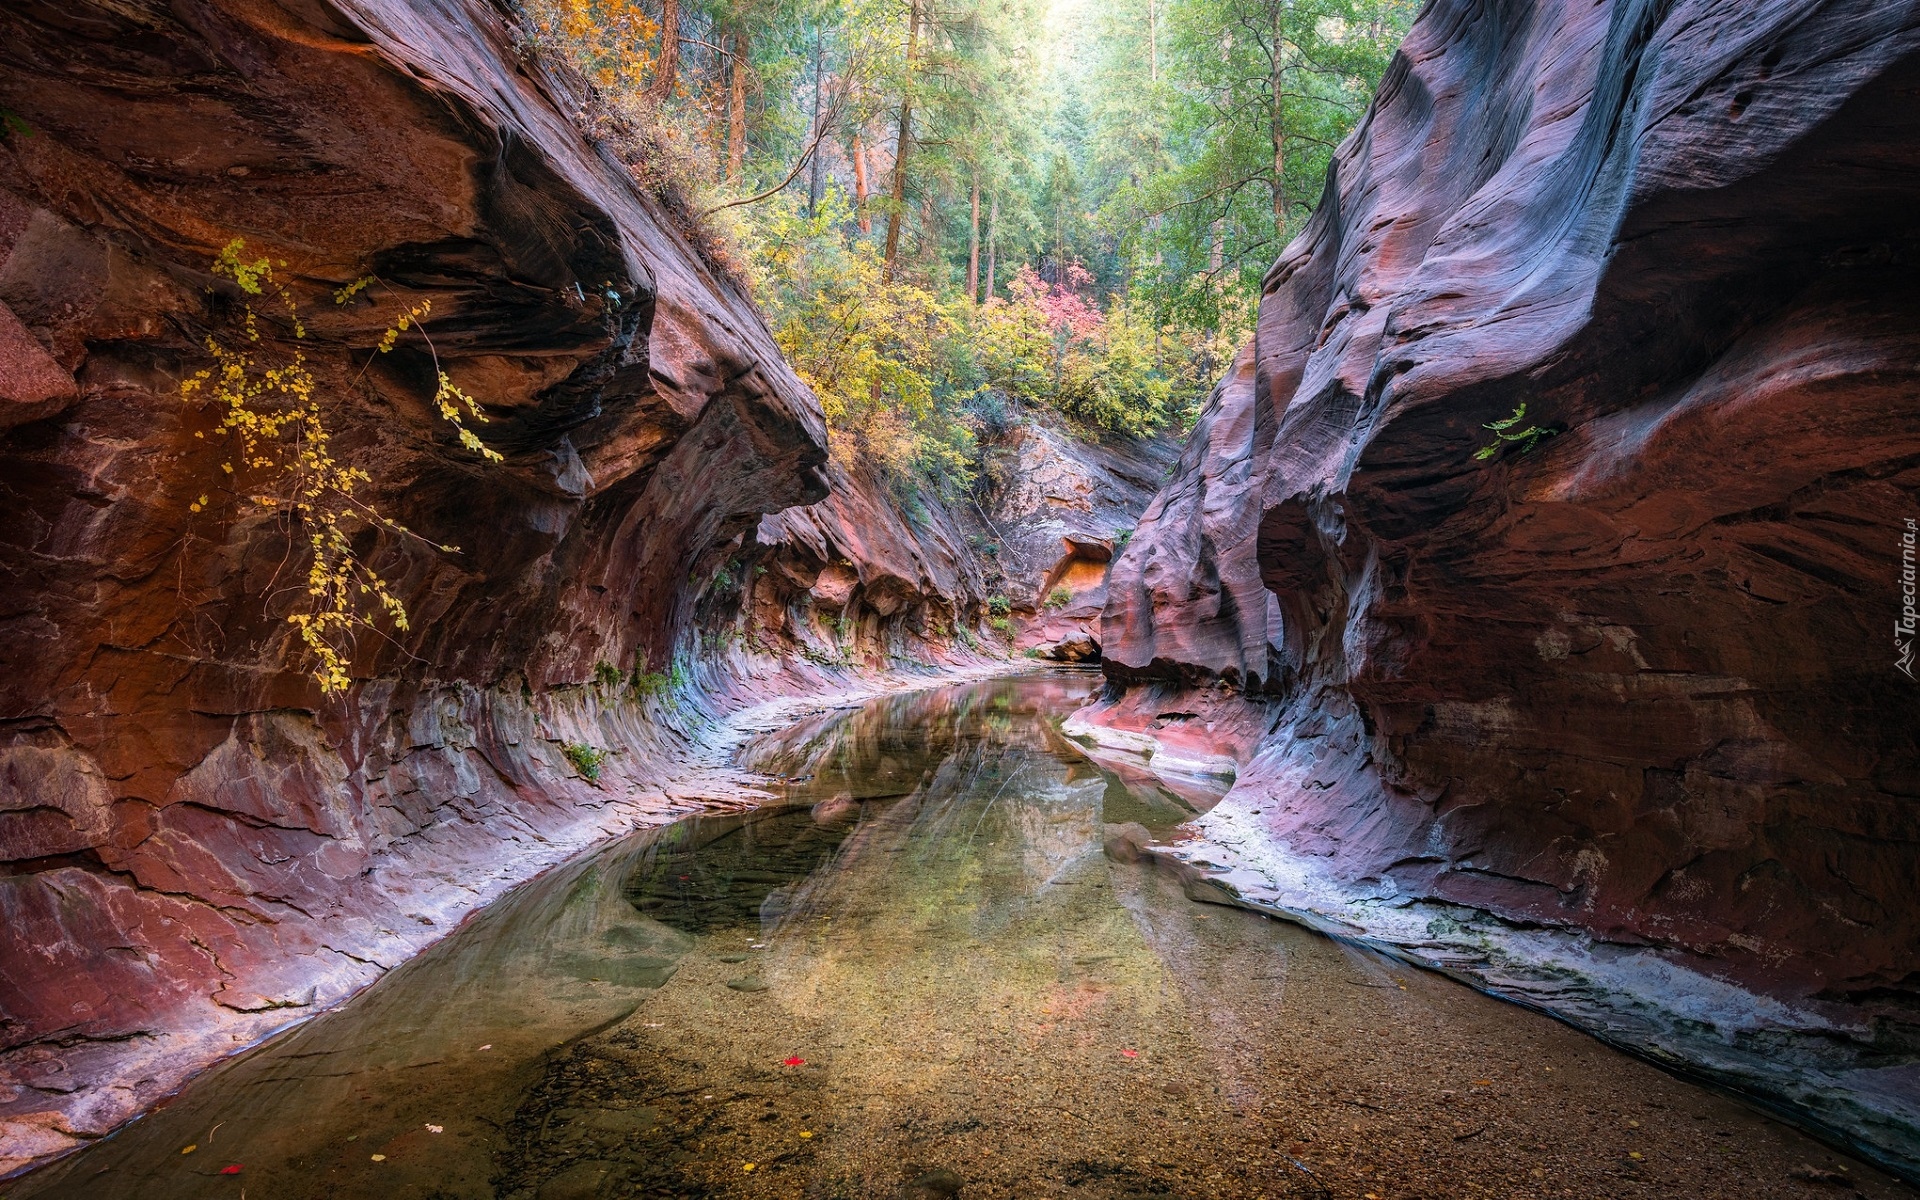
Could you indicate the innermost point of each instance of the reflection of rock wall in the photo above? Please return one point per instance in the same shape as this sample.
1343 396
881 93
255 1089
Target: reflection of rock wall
196 844
1636 683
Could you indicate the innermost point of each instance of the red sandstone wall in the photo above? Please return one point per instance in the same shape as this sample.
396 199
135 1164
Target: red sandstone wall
1640 682
195 845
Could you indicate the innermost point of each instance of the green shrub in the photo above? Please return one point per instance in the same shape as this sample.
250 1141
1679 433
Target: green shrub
1059 598
999 606
585 759
606 674
1505 433
1003 624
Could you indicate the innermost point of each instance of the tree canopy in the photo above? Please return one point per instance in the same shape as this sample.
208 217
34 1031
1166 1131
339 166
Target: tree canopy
950 207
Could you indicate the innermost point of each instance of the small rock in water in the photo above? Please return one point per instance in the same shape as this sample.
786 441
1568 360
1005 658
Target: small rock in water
1125 843
937 1184
1076 647
747 983
839 808
733 958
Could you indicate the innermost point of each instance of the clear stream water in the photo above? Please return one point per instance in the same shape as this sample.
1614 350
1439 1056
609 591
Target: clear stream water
920 976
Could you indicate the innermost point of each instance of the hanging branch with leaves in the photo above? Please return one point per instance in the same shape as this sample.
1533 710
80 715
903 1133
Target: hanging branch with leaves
284 461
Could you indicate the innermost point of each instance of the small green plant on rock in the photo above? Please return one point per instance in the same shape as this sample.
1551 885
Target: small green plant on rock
585 759
1003 624
1059 598
1505 433
999 606
658 683
606 674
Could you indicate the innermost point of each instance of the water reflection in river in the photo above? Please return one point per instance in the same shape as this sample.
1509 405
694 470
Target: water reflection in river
918 975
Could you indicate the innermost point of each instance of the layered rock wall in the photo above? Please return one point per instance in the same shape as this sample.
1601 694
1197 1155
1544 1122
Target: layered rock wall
1058 503
196 844
1643 683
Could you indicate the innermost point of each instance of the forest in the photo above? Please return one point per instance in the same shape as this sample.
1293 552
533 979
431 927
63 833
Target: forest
955 210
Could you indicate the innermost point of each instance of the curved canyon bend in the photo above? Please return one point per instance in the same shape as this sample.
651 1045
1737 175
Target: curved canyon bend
620 598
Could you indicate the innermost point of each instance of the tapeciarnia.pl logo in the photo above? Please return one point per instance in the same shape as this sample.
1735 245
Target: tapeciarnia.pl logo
1903 629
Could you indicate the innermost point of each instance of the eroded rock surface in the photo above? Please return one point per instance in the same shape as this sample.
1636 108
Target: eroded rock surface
1059 506
1641 686
197 846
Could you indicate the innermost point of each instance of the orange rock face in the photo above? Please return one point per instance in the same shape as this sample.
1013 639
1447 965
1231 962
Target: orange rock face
1645 679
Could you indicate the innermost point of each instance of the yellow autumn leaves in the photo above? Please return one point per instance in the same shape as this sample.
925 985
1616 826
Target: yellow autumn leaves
282 441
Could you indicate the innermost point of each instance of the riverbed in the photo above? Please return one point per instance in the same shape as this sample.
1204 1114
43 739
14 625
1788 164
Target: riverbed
917 974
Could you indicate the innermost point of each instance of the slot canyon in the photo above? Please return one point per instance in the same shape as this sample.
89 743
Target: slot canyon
491 709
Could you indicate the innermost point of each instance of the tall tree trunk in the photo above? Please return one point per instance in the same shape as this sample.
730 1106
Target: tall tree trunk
1153 41
1279 65
895 213
973 244
993 244
860 184
667 70
816 185
737 108
1060 243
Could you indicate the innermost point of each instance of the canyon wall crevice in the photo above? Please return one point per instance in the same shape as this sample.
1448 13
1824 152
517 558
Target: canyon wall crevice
1638 684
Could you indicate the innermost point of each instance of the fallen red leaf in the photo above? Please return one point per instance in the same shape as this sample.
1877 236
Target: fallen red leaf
1131 1053
232 1170
796 1061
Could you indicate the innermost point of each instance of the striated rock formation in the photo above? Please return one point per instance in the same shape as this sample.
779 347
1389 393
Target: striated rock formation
1189 604
195 844
1056 509
1624 722
850 578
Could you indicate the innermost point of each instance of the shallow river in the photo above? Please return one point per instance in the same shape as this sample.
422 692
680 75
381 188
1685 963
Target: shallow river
922 977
